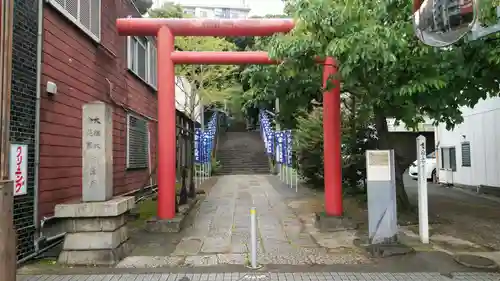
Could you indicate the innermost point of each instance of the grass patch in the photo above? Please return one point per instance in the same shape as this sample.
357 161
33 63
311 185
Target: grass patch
45 262
147 209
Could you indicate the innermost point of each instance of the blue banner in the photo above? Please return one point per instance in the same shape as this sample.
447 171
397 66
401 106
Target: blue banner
204 141
280 156
267 132
284 148
206 147
197 146
289 148
270 144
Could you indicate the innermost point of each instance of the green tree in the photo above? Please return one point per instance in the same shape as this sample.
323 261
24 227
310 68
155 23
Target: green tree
168 10
207 84
382 65
212 82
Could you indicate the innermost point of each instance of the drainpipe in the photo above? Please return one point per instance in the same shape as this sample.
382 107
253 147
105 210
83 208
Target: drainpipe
150 168
37 110
39 224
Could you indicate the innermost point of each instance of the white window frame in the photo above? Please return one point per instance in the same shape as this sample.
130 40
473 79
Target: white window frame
128 142
63 11
189 11
218 12
151 60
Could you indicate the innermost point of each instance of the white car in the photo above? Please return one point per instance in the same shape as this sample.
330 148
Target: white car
430 168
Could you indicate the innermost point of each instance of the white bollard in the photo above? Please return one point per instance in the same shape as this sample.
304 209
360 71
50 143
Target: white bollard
253 238
286 175
283 172
202 168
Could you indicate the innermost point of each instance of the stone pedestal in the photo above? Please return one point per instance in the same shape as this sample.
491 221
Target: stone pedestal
96 232
327 223
156 225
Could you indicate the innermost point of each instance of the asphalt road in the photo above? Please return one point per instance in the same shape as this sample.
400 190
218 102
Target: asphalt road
461 214
440 192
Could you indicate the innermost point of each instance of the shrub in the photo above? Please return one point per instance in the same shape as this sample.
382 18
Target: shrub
308 147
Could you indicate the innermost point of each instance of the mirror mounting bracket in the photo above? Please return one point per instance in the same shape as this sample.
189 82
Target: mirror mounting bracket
477 31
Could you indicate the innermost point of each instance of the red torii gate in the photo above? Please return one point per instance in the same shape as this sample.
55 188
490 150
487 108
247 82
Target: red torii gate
165 30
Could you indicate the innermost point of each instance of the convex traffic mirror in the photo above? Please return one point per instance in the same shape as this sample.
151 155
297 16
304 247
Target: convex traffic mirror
440 23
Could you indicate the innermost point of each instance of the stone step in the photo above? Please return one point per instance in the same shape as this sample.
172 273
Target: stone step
243 172
242 158
244 168
240 164
242 153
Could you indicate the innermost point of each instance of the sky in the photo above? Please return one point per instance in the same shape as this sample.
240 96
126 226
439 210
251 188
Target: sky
259 7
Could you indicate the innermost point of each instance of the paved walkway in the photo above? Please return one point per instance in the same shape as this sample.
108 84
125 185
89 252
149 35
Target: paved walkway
333 276
221 228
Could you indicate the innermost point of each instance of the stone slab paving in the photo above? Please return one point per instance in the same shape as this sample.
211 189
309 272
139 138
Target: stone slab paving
322 276
221 228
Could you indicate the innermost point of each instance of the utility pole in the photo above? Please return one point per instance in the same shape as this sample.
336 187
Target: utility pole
7 234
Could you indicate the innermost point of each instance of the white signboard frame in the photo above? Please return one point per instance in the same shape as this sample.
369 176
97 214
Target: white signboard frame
423 213
18 168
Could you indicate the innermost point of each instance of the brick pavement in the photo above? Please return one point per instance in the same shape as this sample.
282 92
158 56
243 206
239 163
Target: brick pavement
322 276
221 228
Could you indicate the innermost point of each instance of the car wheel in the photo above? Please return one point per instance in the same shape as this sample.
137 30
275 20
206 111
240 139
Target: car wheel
434 176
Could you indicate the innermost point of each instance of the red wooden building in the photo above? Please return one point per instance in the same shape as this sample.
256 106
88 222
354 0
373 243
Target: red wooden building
67 53
87 60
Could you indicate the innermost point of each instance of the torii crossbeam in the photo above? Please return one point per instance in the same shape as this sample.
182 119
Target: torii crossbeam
165 30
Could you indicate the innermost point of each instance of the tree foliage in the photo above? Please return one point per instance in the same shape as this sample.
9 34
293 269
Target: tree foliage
381 64
212 83
168 10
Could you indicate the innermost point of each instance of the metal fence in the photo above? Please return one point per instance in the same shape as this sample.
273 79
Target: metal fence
24 117
184 158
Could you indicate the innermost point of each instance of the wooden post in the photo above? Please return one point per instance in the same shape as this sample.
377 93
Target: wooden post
6 25
8 260
8 257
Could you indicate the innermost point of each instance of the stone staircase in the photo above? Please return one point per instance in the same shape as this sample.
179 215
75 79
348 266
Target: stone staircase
242 153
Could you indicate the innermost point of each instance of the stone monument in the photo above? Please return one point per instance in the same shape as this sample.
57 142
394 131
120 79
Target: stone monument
381 188
96 227
97 148
382 212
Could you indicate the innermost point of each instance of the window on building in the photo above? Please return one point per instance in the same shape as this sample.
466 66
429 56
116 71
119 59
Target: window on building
235 15
86 14
203 14
448 159
152 71
218 13
189 11
466 157
226 13
137 142
142 57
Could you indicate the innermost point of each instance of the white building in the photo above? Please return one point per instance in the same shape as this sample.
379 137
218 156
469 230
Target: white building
400 127
210 11
469 155
186 100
